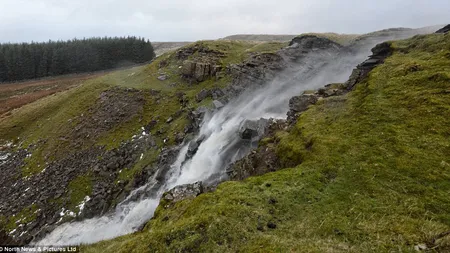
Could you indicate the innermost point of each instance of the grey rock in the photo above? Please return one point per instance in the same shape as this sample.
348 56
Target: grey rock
163 77
298 104
199 70
188 68
420 247
217 104
253 129
217 93
301 103
202 95
182 192
192 149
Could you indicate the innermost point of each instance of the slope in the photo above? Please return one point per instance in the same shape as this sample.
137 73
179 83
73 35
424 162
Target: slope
102 138
373 174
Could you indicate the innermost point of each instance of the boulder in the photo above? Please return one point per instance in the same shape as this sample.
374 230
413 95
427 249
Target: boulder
217 104
253 129
202 95
199 71
188 68
182 192
301 103
217 93
193 146
192 149
202 71
162 77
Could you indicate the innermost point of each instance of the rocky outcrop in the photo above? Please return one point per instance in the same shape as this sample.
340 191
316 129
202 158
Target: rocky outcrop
218 104
199 71
253 72
262 68
193 147
215 93
313 42
263 159
183 192
379 53
298 104
444 29
301 46
202 51
195 118
253 130
199 62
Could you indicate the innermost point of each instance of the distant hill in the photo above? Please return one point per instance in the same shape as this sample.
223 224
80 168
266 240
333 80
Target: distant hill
261 37
343 39
162 47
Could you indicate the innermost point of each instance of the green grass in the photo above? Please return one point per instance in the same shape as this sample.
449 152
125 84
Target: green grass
369 173
343 39
79 188
47 120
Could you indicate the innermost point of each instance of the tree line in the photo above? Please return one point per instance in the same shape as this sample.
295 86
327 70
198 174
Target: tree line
35 60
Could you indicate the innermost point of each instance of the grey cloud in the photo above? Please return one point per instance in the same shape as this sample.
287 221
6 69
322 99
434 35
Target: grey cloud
180 20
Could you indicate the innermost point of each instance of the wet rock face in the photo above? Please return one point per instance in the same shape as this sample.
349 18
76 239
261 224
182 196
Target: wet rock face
261 160
299 104
182 192
253 130
217 104
261 68
379 53
193 146
255 71
444 29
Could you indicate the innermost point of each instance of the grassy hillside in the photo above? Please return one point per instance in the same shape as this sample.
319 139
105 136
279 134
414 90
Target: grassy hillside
59 125
374 174
343 39
261 37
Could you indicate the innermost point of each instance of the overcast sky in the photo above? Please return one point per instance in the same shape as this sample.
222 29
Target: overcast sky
190 20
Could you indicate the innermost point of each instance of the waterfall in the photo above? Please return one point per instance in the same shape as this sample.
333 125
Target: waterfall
221 145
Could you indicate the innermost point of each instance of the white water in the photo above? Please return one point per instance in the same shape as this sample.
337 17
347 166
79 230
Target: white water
218 149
